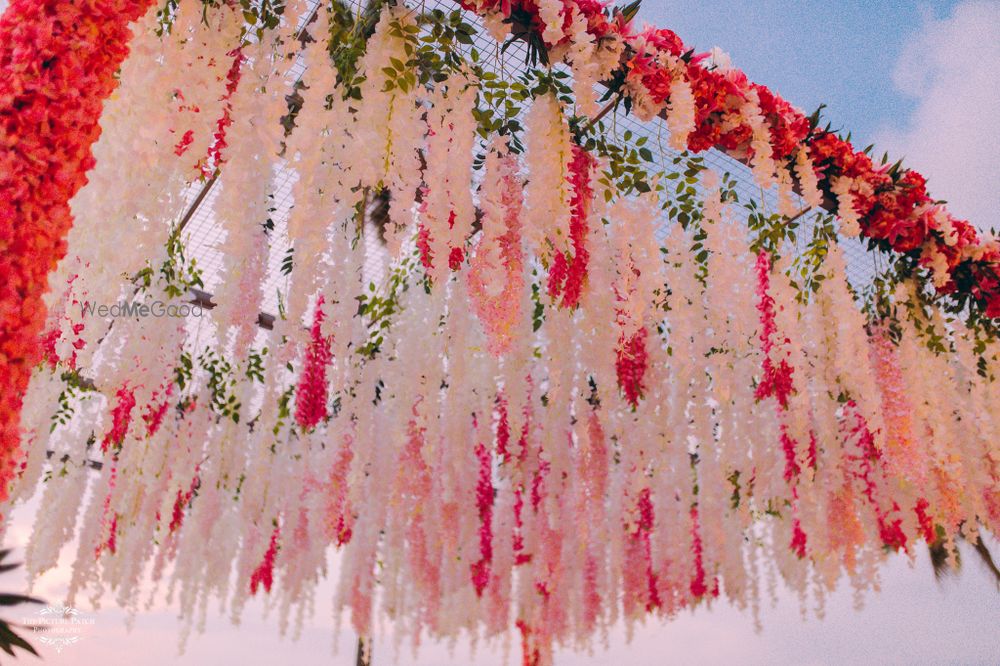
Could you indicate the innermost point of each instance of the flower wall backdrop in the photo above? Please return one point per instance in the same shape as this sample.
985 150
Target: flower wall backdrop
599 380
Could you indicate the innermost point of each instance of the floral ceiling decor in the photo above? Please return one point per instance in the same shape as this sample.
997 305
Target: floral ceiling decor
597 381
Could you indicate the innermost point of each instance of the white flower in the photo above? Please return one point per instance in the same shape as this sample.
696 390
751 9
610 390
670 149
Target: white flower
680 113
719 59
761 160
496 24
937 262
842 188
391 131
806 175
550 11
548 153
586 70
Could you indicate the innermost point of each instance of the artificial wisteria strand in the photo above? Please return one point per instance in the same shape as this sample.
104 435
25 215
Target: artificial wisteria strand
886 203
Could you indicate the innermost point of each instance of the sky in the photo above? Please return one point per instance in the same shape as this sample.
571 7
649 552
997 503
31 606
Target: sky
921 80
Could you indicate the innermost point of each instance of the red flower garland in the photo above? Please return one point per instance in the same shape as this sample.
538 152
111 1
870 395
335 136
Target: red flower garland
567 275
777 382
183 500
57 66
699 583
215 157
868 461
893 204
156 411
481 569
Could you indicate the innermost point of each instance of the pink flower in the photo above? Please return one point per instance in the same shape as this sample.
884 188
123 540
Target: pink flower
311 393
121 417
264 573
500 258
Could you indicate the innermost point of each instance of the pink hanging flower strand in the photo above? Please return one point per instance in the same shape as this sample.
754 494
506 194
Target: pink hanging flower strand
263 575
311 393
566 276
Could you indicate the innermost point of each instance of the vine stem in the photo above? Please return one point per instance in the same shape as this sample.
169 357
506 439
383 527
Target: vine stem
603 112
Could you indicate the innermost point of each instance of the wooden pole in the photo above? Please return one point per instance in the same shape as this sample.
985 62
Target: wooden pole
364 652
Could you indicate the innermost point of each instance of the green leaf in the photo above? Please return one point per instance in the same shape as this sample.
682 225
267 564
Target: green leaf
18 599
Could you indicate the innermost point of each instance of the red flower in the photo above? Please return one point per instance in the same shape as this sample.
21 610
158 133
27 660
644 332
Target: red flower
484 502
631 365
925 521
121 417
311 393
798 544
184 143
57 66
664 40
699 587
993 305
893 215
566 276
715 93
455 258
777 379
215 157
868 468
183 499
424 246
264 573
828 149
789 127
653 76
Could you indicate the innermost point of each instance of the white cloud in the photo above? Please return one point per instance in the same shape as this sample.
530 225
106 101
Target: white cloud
952 69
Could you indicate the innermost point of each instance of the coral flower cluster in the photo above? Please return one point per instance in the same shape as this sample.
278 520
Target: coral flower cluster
57 66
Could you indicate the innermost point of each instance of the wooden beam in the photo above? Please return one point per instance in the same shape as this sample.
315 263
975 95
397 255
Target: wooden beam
364 657
203 299
93 464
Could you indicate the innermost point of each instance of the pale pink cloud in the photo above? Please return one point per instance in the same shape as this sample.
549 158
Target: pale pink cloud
951 68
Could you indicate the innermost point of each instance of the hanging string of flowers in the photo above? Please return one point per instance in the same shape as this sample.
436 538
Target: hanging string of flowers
886 203
604 397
